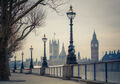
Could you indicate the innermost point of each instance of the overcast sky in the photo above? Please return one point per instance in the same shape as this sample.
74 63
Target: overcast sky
103 16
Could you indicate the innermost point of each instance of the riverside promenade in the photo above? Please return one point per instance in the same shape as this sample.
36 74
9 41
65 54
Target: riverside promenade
17 78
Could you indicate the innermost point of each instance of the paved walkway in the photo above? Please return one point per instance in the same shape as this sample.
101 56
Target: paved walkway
17 78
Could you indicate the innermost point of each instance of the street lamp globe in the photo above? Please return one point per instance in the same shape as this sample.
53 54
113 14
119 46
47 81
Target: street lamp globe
71 14
44 38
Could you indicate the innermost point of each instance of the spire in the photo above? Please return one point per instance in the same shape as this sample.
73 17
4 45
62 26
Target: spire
109 52
94 35
78 55
112 52
94 38
105 52
63 48
118 52
54 35
62 51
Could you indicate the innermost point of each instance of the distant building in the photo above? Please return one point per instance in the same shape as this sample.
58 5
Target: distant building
54 49
112 55
94 48
79 56
94 51
36 62
62 56
56 58
83 60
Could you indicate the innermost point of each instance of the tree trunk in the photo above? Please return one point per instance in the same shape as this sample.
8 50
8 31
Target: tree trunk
4 64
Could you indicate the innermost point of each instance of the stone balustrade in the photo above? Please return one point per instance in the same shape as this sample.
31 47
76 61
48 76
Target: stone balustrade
100 71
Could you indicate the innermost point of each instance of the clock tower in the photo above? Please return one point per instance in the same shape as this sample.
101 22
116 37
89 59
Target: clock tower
94 48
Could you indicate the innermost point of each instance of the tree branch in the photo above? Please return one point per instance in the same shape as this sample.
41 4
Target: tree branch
23 32
20 38
27 11
19 3
18 28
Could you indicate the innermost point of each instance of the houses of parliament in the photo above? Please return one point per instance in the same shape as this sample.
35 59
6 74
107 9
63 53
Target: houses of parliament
57 58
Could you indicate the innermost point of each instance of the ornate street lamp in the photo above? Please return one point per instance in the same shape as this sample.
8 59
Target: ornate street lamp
22 65
44 64
71 58
15 63
31 61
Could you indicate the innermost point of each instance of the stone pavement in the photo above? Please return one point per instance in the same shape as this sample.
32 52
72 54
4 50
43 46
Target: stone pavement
17 78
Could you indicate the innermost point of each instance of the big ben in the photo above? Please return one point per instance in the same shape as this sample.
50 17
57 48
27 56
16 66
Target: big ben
94 48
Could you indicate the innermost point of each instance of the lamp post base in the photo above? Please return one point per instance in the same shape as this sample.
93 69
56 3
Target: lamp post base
44 64
31 66
71 58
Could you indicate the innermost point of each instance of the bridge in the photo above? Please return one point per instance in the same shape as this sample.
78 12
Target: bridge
99 72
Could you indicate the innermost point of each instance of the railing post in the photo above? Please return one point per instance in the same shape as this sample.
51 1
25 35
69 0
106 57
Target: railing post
54 71
57 71
106 73
78 71
40 71
85 72
72 71
60 71
49 70
94 71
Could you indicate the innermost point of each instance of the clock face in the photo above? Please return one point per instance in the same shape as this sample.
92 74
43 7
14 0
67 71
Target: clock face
92 45
96 45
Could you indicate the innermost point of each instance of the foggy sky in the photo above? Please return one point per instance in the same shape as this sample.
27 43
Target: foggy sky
103 16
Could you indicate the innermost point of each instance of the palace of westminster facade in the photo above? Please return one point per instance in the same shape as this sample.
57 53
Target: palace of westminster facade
57 58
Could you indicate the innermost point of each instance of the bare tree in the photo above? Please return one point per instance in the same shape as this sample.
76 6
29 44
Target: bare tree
34 19
17 19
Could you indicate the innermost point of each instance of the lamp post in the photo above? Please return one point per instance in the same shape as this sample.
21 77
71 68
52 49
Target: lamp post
71 58
22 65
44 64
15 64
31 61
